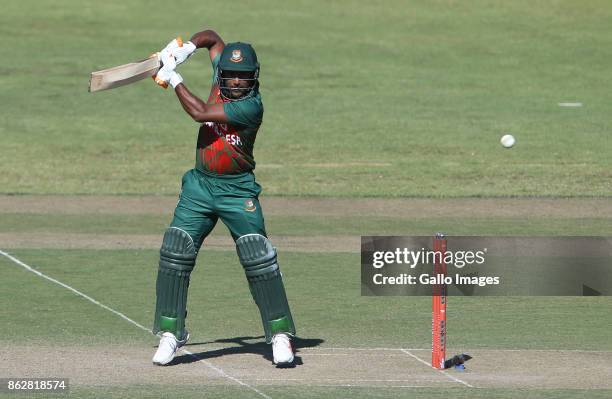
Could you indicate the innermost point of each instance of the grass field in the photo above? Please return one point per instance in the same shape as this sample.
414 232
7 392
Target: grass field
382 118
375 99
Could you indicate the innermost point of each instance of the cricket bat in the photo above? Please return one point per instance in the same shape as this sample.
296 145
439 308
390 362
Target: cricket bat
124 74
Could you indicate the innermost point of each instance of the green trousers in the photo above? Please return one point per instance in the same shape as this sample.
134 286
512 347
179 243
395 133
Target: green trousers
206 198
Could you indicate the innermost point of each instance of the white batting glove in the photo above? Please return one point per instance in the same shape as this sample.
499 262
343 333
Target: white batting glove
180 50
183 52
167 73
167 76
175 79
174 44
167 59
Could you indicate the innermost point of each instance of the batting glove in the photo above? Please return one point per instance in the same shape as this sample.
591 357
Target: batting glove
167 73
174 44
167 59
175 79
181 51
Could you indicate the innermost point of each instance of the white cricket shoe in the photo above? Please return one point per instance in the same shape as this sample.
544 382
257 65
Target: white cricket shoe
168 345
282 350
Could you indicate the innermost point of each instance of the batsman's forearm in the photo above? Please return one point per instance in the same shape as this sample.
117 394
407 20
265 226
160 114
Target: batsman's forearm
206 39
195 107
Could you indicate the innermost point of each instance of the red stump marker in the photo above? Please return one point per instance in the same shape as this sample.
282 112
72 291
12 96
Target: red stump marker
438 324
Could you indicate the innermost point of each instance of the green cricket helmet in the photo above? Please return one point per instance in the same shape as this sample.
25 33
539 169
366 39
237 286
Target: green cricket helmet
238 61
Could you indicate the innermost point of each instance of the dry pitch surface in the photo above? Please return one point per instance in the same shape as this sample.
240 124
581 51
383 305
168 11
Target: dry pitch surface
364 367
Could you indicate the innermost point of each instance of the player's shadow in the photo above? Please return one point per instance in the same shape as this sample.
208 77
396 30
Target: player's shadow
243 347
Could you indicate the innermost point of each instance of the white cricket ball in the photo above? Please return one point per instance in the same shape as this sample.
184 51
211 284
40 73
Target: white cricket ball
508 140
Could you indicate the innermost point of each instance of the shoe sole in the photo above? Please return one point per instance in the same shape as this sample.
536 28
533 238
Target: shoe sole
290 363
161 364
166 363
285 365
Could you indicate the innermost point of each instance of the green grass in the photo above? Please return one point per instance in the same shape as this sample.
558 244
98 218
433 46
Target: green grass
416 94
316 225
219 302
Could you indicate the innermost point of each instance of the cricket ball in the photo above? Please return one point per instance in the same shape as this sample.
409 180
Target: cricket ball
507 140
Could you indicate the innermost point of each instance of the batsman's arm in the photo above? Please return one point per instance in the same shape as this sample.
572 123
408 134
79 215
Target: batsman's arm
198 109
210 40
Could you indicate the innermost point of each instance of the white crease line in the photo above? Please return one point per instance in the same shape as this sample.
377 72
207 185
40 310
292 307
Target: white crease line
357 386
356 349
341 380
527 350
224 374
370 386
452 377
545 350
472 349
350 354
90 299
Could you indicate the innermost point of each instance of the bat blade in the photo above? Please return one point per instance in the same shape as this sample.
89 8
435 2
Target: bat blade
123 74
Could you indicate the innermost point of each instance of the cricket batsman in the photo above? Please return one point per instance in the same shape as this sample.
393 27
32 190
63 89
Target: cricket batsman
221 186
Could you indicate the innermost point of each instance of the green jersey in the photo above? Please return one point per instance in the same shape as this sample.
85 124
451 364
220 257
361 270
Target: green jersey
227 148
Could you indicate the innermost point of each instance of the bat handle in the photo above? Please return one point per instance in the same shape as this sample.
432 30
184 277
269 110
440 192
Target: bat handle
160 82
